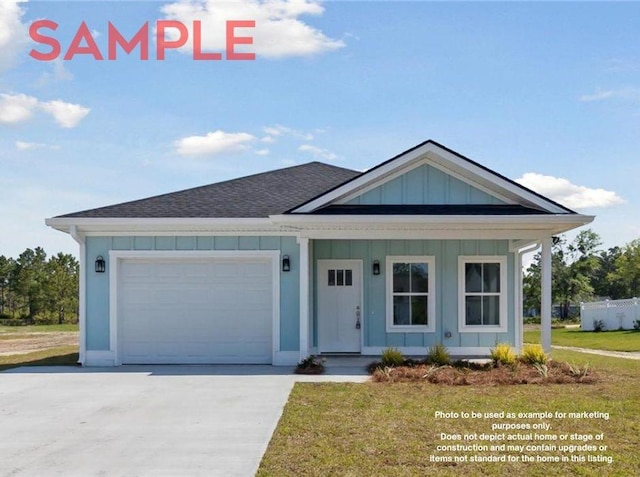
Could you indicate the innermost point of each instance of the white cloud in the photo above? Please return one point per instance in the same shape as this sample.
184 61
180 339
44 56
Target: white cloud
16 108
274 130
66 115
13 33
628 94
262 152
278 130
27 146
278 32
58 73
568 194
268 139
318 152
213 143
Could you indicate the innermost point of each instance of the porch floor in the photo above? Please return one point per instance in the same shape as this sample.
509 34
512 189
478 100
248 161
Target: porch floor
346 361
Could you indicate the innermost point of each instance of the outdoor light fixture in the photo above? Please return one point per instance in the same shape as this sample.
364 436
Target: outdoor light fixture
376 267
286 263
100 264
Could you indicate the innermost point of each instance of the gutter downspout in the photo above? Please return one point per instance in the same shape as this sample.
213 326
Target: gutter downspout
82 317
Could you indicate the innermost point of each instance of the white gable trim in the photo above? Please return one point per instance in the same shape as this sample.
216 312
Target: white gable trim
448 162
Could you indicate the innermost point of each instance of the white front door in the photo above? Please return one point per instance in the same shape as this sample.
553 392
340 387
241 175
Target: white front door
339 306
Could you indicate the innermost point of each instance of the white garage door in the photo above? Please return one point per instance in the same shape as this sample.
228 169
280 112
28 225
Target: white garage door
195 312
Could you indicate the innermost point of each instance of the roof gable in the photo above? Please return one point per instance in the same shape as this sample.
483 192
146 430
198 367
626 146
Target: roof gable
442 177
423 184
255 196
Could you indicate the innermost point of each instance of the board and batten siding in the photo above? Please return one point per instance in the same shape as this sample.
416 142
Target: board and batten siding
425 185
446 254
97 284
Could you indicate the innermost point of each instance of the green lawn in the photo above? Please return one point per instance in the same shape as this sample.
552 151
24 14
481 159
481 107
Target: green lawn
607 340
378 429
38 328
62 356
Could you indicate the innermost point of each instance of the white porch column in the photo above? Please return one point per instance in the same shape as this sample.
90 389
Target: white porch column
304 296
82 310
545 294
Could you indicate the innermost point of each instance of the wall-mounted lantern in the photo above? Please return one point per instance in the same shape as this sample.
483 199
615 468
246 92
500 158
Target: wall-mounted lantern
286 263
376 267
100 264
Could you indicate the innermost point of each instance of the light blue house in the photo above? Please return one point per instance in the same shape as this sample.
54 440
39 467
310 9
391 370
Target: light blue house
425 248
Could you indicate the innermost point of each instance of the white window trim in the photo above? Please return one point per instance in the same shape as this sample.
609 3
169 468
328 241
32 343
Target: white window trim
462 326
431 262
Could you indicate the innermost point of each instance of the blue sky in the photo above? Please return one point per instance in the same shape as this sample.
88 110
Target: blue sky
545 93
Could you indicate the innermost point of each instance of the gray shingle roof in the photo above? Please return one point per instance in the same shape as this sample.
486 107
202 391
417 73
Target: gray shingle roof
254 196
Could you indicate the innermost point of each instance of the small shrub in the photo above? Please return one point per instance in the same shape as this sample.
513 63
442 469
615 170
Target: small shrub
533 354
636 325
503 354
429 372
438 355
578 372
598 325
310 365
14 322
542 369
392 357
45 320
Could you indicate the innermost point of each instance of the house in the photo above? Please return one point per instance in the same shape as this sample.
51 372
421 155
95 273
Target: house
424 248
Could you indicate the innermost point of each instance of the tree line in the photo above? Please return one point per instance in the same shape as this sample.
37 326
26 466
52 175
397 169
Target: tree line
39 289
582 271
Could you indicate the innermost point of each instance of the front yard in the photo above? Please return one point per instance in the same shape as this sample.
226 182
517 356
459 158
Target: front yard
392 429
40 345
618 340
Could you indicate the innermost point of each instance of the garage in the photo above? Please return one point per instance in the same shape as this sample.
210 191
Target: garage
195 309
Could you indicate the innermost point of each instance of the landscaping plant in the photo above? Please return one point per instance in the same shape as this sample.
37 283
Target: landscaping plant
392 357
438 355
310 365
503 354
533 354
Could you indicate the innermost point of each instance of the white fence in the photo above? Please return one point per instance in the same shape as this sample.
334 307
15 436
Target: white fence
614 314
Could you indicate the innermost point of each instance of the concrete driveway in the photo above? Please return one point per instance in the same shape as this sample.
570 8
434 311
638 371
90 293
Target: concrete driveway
139 421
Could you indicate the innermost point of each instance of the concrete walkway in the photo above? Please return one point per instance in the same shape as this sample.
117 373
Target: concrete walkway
614 354
144 420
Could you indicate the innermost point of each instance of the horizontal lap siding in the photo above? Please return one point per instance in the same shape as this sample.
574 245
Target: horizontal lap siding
446 253
97 289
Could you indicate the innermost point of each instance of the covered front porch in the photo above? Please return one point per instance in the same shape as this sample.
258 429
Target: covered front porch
345 299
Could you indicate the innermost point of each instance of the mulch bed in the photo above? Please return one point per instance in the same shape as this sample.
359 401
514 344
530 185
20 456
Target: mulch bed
309 370
486 375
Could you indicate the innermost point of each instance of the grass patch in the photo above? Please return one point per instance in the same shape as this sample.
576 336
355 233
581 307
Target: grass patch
627 340
390 429
38 328
62 356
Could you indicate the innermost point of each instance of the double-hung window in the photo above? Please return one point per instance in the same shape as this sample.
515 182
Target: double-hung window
482 293
410 294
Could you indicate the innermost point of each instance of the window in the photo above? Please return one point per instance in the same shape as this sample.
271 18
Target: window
340 278
482 293
410 294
